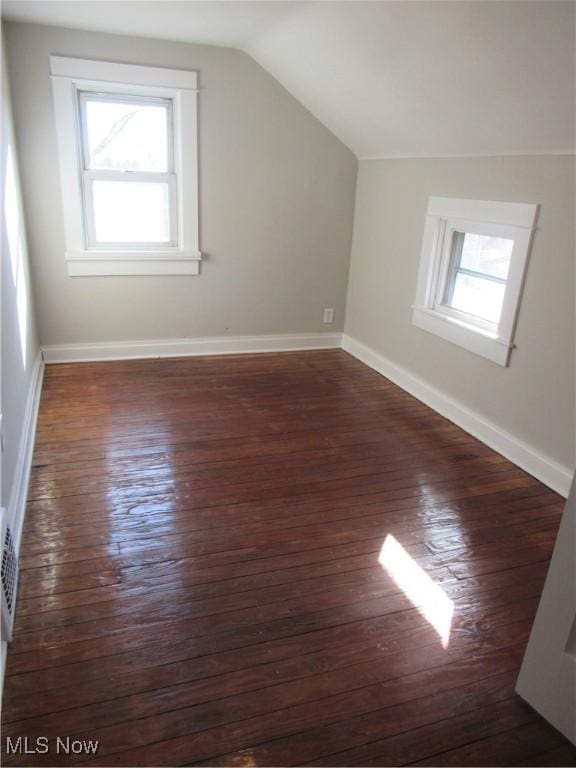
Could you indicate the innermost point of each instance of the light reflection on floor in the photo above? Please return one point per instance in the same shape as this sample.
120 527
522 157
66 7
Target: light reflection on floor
128 490
427 596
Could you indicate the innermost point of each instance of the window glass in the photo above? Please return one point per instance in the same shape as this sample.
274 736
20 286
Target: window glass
478 296
131 212
124 136
486 254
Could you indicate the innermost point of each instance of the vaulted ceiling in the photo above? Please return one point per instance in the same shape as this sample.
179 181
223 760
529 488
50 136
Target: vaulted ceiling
390 79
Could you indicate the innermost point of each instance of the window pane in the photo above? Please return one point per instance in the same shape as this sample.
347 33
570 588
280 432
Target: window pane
490 255
477 296
126 137
131 212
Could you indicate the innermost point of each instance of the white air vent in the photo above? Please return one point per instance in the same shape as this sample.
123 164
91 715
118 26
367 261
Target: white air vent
9 574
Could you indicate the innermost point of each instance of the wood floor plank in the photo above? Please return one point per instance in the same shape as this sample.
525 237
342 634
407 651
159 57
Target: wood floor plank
473 721
507 748
195 661
204 580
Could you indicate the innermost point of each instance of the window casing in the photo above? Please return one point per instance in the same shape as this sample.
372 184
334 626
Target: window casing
474 256
129 181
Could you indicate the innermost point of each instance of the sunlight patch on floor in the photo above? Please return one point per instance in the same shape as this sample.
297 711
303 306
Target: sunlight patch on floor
427 596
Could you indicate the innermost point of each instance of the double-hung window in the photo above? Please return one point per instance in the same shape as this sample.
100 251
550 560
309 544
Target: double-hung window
478 267
474 256
129 179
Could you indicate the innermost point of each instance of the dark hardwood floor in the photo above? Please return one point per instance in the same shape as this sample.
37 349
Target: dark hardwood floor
254 560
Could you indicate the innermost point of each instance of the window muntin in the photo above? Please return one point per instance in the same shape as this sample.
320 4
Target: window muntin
128 177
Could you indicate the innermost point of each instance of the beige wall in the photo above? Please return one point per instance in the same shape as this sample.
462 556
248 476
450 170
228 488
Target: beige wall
276 203
19 347
533 399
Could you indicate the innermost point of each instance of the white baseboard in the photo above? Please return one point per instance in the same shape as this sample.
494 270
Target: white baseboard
542 467
126 350
17 503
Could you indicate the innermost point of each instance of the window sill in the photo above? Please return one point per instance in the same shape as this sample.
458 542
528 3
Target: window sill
92 264
473 339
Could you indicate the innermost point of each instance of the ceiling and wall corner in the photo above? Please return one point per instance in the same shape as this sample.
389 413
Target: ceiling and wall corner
390 79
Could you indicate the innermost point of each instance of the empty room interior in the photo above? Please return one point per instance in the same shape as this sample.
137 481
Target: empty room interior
288 403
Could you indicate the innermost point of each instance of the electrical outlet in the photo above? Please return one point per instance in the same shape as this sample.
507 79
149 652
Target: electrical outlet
328 316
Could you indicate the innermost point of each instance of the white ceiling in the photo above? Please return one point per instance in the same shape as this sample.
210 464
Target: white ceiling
391 78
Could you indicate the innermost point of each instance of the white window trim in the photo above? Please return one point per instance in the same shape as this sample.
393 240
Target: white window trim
70 75
444 215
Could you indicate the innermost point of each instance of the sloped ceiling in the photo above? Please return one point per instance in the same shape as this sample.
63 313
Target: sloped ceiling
392 78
